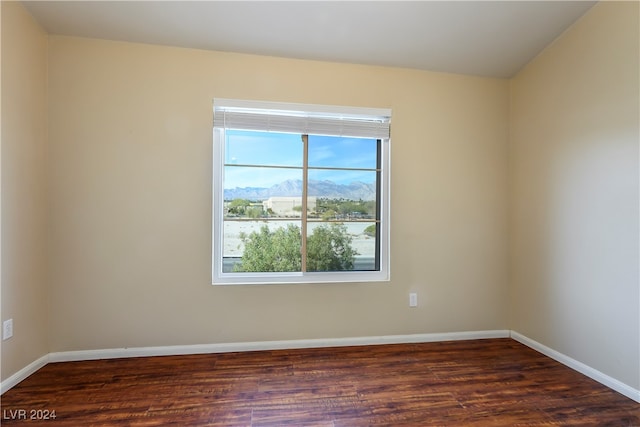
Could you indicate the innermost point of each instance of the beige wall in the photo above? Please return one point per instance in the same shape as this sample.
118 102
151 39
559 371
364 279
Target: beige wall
131 135
574 194
24 202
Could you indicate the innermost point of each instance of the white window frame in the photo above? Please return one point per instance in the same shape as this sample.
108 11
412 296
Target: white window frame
307 119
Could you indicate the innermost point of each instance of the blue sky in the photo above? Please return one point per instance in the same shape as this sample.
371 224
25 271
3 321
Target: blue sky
279 149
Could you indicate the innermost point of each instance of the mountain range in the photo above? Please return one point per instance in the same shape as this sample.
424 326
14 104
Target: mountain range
292 188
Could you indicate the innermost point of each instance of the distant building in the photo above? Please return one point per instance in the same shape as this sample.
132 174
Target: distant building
288 206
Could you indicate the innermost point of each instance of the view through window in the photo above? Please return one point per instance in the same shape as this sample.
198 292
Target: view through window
297 206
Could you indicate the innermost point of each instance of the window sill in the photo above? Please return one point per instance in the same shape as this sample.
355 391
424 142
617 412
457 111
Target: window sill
299 278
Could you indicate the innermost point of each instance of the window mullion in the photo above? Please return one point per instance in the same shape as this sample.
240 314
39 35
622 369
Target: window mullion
303 213
379 173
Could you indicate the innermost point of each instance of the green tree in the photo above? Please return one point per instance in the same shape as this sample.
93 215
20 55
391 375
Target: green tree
328 249
268 251
238 206
370 230
254 211
329 214
325 207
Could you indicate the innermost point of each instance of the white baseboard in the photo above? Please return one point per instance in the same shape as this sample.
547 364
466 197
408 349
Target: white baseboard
115 353
602 378
23 373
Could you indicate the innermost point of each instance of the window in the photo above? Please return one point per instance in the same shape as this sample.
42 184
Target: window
300 193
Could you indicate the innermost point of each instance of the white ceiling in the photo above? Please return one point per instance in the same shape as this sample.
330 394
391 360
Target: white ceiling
485 38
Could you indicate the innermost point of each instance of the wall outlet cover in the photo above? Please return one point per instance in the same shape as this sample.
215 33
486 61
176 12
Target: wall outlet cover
413 300
7 329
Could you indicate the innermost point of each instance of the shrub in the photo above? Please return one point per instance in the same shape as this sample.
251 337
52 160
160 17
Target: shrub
328 249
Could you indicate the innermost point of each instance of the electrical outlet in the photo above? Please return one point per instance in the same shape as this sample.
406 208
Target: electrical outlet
413 299
7 329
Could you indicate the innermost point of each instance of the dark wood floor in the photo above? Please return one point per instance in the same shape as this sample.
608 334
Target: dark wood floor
496 382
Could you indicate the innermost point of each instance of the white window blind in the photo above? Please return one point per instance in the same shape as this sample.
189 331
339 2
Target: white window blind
301 118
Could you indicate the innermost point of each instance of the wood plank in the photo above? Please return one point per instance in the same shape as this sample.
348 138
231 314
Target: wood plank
496 382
